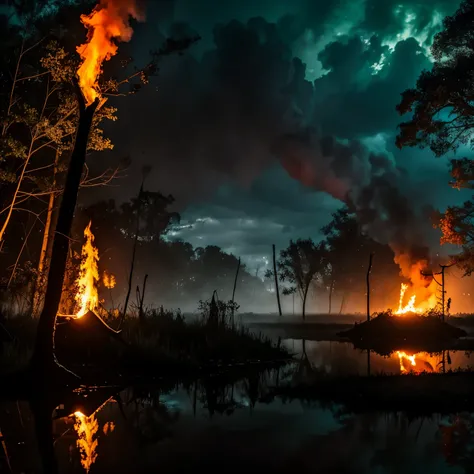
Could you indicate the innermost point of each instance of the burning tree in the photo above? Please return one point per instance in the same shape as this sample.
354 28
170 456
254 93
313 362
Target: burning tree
107 24
39 119
38 125
443 119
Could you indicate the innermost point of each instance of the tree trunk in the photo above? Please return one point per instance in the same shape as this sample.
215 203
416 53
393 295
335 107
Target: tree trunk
42 267
342 304
233 291
331 289
368 285
132 264
142 298
304 302
276 280
44 356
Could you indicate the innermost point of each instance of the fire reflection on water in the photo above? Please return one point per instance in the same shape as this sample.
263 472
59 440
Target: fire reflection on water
341 359
87 428
416 363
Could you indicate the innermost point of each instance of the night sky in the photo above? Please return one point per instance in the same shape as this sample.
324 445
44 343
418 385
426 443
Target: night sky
261 129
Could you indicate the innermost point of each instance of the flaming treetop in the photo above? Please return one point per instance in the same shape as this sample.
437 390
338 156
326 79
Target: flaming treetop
107 24
87 296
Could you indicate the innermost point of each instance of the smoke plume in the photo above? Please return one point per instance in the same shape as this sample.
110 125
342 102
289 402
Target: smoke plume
229 114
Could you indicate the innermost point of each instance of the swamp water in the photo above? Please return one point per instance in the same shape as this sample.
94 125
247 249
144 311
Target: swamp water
238 427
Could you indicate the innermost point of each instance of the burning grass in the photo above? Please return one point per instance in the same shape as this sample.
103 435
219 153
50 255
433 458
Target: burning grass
386 333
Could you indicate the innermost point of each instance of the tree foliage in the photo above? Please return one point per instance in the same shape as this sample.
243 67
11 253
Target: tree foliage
442 118
177 272
348 251
38 118
441 103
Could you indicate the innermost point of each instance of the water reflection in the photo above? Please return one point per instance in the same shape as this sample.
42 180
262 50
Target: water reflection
341 358
182 432
86 428
226 424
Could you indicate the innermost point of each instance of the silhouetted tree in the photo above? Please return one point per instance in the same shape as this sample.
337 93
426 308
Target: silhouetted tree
300 265
38 119
443 118
348 249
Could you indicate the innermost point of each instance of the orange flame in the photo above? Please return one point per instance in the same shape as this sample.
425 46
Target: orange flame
107 24
87 295
417 363
404 356
86 428
410 306
109 280
424 289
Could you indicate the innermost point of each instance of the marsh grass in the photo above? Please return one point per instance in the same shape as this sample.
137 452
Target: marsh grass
162 341
199 341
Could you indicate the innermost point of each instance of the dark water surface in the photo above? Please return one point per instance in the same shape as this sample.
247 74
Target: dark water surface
341 358
238 427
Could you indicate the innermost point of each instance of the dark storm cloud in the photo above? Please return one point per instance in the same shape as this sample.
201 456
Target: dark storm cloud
275 209
223 113
350 101
214 119
392 17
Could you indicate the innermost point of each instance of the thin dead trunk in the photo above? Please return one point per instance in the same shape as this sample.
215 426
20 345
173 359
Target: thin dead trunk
304 301
233 291
132 264
13 202
34 137
42 267
368 285
342 303
276 279
44 356
20 253
331 289
140 311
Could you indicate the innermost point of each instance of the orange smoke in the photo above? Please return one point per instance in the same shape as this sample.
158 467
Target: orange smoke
87 295
107 24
